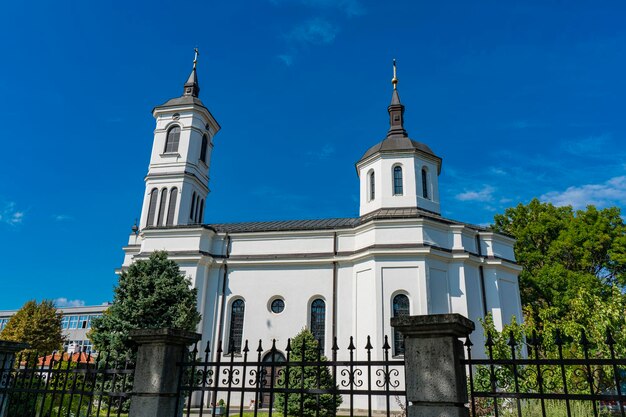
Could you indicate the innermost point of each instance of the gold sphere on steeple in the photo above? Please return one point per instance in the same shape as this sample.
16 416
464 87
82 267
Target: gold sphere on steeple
394 80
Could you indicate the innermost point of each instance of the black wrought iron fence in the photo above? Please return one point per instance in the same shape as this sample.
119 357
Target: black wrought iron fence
528 378
64 385
297 381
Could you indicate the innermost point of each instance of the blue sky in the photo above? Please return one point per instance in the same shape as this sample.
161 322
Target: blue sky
520 99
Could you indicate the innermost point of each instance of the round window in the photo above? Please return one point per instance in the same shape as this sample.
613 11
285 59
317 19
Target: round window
278 306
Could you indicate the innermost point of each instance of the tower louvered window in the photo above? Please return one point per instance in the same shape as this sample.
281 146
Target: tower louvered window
171 209
236 326
195 213
397 180
172 140
201 212
162 207
205 144
400 308
372 186
318 321
152 207
193 206
424 183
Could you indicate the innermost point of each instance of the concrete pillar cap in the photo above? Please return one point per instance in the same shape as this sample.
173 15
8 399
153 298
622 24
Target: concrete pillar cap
170 336
7 346
433 325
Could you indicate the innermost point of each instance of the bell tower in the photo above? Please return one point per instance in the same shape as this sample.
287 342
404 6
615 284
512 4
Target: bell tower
398 173
177 183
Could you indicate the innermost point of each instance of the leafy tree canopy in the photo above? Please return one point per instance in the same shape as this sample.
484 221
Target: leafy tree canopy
564 251
151 294
39 325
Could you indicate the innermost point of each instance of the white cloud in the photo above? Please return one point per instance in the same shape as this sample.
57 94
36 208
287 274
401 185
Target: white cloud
609 193
315 31
589 146
62 217
64 302
10 215
497 171
287 59
486 194
323 153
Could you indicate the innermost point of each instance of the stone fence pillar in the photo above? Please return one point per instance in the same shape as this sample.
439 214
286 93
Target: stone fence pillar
435 378
7 361
156 373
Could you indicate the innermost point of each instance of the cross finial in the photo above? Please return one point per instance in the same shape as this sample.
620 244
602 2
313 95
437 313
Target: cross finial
195 57
394 80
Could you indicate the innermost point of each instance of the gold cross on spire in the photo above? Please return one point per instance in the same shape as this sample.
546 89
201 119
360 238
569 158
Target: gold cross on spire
195 57
394 80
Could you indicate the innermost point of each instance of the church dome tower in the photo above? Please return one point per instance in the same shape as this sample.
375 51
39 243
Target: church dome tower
177 182
398 172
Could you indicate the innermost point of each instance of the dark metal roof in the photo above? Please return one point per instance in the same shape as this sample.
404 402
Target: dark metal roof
182 101
333 224
284 225
398 144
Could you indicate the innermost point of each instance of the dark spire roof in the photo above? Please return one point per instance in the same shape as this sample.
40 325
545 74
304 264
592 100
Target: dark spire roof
397 137
192 88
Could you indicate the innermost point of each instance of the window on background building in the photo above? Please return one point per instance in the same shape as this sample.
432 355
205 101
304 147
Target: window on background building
397 180
424 183
236 326
65 322
83 322
171 209
3 323
205 144
152 207
372 186
318 321
73 322
400 308
173 137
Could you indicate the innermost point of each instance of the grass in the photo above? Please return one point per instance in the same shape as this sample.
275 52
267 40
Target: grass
532 408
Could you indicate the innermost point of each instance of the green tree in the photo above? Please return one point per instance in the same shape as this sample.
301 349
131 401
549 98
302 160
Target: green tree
609 314
151 294
39 325
315 377
564 251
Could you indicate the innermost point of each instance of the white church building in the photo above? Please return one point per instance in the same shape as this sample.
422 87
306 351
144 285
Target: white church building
338 277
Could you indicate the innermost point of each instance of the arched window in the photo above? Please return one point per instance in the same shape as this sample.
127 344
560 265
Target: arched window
201 212
397 180
162 207
193 205
205 144
424 183
171 209
152 207
372 186
195 214
318 321
172 140
236 326
400 308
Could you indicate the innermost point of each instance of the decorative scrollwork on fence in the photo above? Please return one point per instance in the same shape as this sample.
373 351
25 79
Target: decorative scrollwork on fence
387 375
352 381
204 377
230 376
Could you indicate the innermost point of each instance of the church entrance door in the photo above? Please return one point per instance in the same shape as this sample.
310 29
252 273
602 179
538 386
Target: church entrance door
264 395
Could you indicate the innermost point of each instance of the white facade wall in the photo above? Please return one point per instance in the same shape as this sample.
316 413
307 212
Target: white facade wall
426 260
